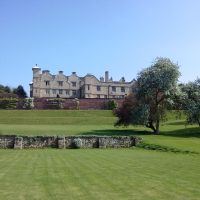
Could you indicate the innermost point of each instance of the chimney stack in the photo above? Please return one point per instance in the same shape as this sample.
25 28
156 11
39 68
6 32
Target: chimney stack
106 76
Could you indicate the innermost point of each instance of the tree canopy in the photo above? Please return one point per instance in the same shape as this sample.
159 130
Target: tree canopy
6 91
20 92
191 101
154 89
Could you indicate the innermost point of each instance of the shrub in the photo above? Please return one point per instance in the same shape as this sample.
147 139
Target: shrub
111 105
28 103
8 103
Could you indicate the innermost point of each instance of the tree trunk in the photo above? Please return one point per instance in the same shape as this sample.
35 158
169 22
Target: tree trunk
151 126
157 127
157 121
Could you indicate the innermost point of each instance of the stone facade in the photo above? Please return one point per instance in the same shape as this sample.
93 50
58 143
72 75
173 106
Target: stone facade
67 142
47 85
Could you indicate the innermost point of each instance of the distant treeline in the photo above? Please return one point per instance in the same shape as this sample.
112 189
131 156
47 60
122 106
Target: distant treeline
8 92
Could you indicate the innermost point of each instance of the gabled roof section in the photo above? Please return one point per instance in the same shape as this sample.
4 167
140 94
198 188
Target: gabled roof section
92 76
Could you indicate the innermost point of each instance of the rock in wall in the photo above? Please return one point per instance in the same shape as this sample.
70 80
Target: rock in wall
7 141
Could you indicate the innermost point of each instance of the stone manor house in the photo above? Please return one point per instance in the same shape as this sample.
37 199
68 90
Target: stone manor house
47 85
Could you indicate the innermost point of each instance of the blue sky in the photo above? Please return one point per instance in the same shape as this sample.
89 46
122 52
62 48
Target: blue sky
92 36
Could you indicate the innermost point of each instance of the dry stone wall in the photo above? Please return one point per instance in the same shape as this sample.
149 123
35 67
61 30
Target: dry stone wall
67 142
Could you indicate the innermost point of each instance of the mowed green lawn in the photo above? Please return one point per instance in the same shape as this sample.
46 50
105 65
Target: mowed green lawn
98 174
134 173
54 122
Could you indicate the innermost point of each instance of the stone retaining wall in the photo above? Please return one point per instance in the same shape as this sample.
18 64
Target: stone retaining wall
70 104
67 142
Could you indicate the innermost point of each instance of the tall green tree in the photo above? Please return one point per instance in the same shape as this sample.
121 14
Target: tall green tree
191 101
155 87
20 92
5 89
1 88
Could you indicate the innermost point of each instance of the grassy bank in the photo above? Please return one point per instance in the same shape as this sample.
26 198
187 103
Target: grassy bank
174 133
54 122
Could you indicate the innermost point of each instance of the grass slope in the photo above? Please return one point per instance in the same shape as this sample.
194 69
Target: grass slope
54 122
174 133
56 117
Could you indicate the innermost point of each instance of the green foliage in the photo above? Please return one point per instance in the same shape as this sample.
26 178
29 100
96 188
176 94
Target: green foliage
1 88
28 103
155 88
130 110
191 101
6 92
159 79
20 92
5 89
193 113
111 105
8 103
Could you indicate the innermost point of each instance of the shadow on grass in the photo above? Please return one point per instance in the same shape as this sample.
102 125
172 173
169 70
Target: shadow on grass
117 132
163 148
185 132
